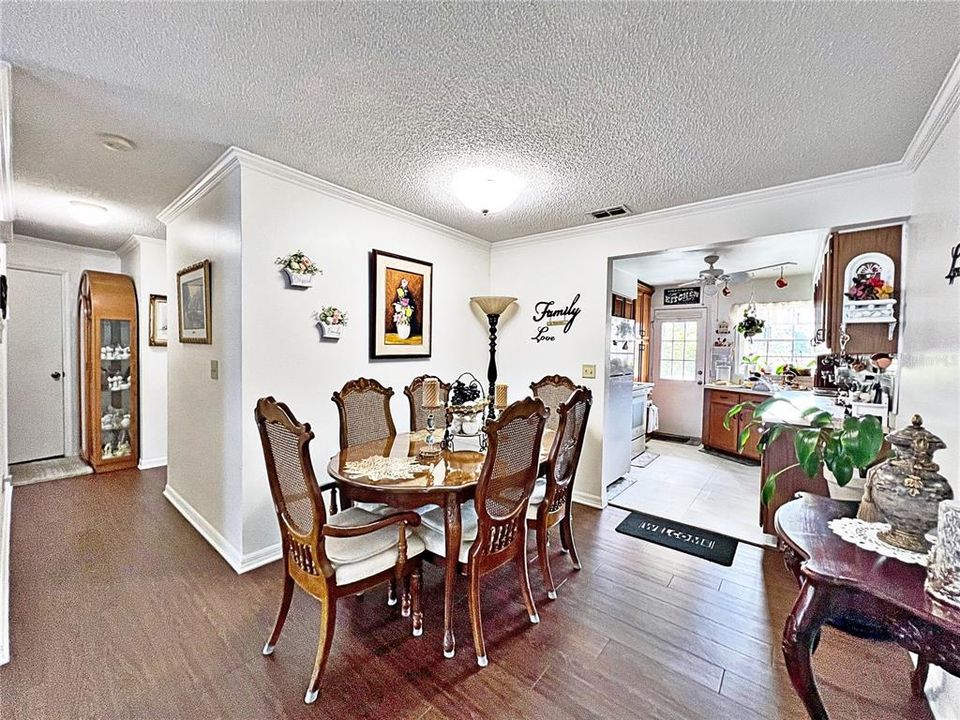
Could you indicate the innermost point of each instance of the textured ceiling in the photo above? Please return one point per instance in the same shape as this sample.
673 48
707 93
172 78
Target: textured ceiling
593 104
678 266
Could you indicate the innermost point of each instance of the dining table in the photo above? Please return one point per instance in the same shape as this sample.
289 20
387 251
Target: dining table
447 479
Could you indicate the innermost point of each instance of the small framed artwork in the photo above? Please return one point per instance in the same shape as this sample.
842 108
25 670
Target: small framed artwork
193 297
158 320
401 306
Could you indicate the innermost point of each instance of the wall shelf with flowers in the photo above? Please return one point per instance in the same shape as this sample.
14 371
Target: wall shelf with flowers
331 320
868 298
298 269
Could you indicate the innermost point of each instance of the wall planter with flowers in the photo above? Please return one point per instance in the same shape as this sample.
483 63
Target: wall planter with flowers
299 269
868 298
331 321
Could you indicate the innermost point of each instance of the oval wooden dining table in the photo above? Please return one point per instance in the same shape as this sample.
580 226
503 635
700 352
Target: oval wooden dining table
449 481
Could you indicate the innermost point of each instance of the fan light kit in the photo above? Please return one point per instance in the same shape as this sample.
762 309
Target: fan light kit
712 278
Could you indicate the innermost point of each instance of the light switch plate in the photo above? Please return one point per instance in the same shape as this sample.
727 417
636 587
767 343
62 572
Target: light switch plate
589 371
214 369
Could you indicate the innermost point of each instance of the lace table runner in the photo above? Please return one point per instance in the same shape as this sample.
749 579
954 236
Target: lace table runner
864 535
379 467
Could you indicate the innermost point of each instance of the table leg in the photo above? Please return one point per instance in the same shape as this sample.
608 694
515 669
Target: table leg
799 636
452 532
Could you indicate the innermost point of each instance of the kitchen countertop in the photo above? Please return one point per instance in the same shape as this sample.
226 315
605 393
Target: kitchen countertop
800 401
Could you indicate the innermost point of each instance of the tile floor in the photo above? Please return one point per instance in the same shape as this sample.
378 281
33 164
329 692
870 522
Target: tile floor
707 491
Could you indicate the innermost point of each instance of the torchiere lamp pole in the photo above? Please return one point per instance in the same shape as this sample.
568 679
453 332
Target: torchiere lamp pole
493 307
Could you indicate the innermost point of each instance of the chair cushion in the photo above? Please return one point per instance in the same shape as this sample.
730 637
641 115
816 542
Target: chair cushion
539 491
352 550
436 543
384 560
382 510
433 519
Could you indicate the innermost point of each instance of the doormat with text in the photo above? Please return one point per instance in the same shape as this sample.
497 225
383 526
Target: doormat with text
678 536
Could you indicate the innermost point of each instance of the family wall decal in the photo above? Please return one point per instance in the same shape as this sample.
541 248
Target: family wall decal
547 317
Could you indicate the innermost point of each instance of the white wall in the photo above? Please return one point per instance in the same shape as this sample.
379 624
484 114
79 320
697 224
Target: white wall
37 254
205 416
560 264
145 260
930 363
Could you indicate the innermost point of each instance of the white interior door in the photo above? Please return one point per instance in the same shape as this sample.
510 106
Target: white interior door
678 360
35 365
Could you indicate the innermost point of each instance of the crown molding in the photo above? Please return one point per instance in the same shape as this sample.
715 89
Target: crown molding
7 207
272 168
246 160
135 241
727 202
944 105
212 177
43 242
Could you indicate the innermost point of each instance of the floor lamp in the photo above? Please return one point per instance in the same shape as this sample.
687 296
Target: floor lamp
493 306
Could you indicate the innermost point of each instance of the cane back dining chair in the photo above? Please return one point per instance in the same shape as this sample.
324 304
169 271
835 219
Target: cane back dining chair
552 500
497 534
414 393
553 390
364 408
333 557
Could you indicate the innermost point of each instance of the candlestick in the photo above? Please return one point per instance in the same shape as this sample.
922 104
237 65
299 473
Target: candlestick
500 401
431 393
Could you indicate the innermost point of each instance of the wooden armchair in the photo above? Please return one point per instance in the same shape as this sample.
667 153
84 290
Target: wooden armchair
333 557
503 492
552 501
553 390
414 393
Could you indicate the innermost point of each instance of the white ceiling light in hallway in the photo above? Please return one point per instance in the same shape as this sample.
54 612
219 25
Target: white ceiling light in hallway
485 190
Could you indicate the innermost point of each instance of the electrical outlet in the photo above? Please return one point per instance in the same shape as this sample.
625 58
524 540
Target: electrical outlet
589 371
214 370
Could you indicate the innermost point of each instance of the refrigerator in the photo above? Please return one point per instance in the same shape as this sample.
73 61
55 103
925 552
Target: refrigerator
618 432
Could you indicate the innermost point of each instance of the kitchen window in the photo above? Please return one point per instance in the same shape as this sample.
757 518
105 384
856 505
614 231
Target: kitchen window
787 332
678 350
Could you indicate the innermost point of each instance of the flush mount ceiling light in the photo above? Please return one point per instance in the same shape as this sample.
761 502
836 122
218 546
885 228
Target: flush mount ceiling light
487 191
116 143
88 213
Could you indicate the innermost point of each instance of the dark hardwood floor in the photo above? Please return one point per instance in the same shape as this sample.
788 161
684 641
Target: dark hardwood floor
120 610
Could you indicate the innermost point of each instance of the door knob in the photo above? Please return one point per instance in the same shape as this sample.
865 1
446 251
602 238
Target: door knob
56 375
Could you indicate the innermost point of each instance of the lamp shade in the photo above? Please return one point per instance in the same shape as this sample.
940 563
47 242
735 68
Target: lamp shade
493 304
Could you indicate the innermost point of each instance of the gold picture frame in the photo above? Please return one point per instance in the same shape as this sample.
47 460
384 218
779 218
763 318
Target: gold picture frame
159 326
193 304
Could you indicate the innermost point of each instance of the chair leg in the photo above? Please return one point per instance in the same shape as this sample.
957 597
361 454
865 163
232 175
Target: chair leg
281 614
333 501
416 584
405 599
392 592
566 532
476 623
543 552
328 622
525 587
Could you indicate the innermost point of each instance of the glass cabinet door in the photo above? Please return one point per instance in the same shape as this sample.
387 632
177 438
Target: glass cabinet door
115 395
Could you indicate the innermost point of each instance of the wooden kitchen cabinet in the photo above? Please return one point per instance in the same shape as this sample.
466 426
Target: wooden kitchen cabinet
623 307
716 405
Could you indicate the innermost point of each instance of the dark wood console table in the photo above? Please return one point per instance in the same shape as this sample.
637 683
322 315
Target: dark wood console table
858 592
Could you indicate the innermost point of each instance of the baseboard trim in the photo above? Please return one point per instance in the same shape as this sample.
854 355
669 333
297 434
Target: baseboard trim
5 573
209 533
149 463
587 499
269 554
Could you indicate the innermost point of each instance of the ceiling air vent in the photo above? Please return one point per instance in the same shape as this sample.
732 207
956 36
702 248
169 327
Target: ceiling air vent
610 212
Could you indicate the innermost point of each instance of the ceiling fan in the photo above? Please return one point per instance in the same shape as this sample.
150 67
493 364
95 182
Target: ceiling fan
714 277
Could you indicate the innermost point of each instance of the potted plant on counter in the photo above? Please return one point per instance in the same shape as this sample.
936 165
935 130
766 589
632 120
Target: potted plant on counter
851 445
298 268
331 320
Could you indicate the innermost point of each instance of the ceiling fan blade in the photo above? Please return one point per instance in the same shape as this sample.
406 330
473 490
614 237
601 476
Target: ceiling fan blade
691 283
766 267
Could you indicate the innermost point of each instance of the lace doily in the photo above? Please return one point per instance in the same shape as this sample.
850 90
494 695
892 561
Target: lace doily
864 535
379 467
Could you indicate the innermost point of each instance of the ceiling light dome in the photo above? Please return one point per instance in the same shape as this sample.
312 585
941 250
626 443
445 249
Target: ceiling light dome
487 191
88 213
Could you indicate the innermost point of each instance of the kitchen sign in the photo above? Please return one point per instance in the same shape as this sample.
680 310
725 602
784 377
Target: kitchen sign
548 316
681 296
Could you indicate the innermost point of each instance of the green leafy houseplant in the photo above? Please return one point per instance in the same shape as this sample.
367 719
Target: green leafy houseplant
853 445
750 325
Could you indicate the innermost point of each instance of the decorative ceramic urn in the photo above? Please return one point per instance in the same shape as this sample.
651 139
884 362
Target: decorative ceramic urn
907 488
